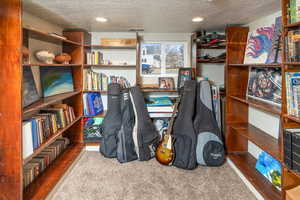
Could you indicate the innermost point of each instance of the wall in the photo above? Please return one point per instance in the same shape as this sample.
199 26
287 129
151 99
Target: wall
265 121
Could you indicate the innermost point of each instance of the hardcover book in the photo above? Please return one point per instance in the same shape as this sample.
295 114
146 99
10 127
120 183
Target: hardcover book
30 93
92 129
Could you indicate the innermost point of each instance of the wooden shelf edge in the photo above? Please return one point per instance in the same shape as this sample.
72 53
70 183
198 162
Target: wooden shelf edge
260 138
256 65
293 118
99 115
92 143
292 25
50 140
99 91
45 34
157 90
44 102
273 109
110 66
245 162
43 185
53 65
110 47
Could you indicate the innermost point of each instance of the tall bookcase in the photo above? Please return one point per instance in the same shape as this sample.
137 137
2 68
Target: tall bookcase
13 37
238 129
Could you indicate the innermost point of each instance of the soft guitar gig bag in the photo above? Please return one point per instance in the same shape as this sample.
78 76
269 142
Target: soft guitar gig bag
112 122
125 145
183 129
210 149
145 136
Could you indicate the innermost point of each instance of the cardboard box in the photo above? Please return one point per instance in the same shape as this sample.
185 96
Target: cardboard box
118 41
293 194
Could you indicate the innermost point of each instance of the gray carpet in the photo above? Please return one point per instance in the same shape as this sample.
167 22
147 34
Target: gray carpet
97 178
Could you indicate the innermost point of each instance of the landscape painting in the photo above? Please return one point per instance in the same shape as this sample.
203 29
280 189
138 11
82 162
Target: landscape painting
56 80
174 57
30 93
150 59
259 44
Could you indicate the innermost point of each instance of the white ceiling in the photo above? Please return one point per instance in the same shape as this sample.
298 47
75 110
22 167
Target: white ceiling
152 15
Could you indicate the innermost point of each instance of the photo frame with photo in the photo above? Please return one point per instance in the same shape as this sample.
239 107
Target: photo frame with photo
184 74
166 83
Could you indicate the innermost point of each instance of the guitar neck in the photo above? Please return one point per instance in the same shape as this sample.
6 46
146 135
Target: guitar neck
170 126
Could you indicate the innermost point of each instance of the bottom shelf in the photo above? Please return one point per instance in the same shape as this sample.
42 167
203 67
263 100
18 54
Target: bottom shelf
245 162
41 187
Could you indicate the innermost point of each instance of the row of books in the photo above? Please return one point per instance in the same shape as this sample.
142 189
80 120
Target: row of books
94 81
92 104
293 46
159 105
291 141
94 58
42 160
43 125
293 93
294 11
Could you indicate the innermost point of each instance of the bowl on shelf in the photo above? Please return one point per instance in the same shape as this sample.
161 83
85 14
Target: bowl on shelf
63 58
45 56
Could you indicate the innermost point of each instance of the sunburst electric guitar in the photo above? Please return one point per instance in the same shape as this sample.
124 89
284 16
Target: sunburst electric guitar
164 153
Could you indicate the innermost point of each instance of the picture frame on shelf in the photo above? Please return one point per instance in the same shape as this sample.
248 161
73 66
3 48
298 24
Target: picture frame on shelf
166 83
184 74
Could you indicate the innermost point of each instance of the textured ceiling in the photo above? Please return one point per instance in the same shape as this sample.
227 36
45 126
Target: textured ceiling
152 15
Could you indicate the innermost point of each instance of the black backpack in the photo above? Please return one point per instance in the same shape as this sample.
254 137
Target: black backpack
183 129
210 148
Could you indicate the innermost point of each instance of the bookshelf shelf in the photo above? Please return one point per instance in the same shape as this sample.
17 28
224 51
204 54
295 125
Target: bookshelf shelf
110 47
292 63
158 90
293 118
294 25
259 138
44 102
99 91
53 65
255 65
50 140
211 61
245 162
111 66
92 143
46 181
273 109
48 36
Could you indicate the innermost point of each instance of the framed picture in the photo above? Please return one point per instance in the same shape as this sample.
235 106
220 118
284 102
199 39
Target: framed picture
166 82
184 74
264 84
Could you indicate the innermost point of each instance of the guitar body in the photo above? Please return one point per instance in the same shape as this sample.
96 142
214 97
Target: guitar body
165 152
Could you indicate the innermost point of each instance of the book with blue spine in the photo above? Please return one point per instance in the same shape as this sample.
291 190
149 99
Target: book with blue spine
94 103
159 101
35 138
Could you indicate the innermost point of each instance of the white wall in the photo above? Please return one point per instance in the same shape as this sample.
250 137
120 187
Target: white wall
265 121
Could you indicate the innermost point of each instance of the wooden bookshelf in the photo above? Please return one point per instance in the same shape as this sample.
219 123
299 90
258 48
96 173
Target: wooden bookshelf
274 109
158 90
44 102
99 115
52 65
256 65
46 181
47 36
110 47
293 118
99 91
245 162
110 66
50 140
259 138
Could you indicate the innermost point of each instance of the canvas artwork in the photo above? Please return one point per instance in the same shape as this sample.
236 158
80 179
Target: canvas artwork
174 57
30 93
274 55
151 58
56 80
259 44
265 84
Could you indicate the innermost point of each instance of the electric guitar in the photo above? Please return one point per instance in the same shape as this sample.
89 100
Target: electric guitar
164 153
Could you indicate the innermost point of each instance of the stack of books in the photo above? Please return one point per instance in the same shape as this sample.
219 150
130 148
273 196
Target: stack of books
294 11
94 81
293 46
159 107
43 125
42 160
94 58
92 104
291 144
293 93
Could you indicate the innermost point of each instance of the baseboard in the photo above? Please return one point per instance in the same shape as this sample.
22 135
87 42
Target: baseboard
247 183
92 148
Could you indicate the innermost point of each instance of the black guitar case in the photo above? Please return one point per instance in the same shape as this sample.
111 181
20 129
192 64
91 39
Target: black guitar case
112 122
183 129
145 136
125 145
210 149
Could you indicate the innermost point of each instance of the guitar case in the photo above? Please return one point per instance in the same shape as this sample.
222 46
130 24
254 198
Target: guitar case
210 148
183 129
145 136
112 122
125 145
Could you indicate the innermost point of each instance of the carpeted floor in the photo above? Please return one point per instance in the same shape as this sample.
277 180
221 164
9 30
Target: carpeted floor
97 178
